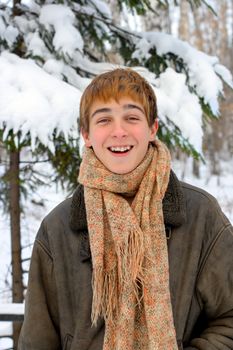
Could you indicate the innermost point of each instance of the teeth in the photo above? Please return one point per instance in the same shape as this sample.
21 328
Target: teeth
120 149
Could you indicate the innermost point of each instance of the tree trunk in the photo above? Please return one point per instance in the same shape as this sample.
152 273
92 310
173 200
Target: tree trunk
196 168
16 10
184 25
17 276
17 273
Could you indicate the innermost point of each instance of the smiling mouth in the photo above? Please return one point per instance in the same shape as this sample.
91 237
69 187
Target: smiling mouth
120 149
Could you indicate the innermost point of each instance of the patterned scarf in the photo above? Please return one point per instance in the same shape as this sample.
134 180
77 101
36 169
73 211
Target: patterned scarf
129 251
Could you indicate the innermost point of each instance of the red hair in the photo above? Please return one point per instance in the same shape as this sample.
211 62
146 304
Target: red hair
116 84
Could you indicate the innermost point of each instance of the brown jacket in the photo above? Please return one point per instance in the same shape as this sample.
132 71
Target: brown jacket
200 244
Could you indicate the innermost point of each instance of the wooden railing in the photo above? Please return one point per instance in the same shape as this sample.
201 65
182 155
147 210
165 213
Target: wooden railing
11 312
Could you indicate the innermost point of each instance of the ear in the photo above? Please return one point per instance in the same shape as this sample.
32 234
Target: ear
86 138
154 129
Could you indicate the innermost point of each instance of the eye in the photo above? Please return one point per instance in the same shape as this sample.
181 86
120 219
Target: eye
103 121
133 118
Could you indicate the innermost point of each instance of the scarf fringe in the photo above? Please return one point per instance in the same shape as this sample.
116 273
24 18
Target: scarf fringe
105 296
131 256
129 271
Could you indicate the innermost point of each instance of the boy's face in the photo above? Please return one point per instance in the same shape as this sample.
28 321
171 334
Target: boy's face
119 134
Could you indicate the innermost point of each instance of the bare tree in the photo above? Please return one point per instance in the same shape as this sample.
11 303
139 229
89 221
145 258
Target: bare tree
184 25
208 32
17 274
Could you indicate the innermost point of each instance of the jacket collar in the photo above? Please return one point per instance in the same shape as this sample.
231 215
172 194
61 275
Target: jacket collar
173 206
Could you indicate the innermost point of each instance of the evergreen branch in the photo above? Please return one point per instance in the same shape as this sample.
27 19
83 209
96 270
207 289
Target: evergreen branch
210 8
109 23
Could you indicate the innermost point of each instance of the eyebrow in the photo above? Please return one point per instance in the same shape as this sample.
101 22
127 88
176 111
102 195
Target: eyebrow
108 110
131 106
101 110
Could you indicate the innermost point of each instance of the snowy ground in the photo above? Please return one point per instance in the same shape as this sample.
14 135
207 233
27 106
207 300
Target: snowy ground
221 187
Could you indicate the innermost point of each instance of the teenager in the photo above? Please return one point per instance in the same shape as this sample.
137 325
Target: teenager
135 259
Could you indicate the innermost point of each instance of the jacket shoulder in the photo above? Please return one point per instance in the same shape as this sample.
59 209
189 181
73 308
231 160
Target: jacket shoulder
55 223
187 187
197 200
61 212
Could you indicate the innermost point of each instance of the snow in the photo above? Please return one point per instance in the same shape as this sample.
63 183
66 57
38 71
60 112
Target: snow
12 309
102 7
177 103
93 8
22 23
35 8
51 103
56 103
212 4
142 50
202 68
35 44
67 38
5 330
8 33
224 73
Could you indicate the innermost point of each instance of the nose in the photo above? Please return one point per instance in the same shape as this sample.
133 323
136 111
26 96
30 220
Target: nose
119 130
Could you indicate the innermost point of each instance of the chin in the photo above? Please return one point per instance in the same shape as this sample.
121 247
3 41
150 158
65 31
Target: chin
121 171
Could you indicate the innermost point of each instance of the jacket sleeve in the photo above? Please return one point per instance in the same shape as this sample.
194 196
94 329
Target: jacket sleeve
40 326
215 295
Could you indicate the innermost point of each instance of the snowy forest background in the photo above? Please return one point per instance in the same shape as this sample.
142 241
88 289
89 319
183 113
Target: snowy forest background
49 52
